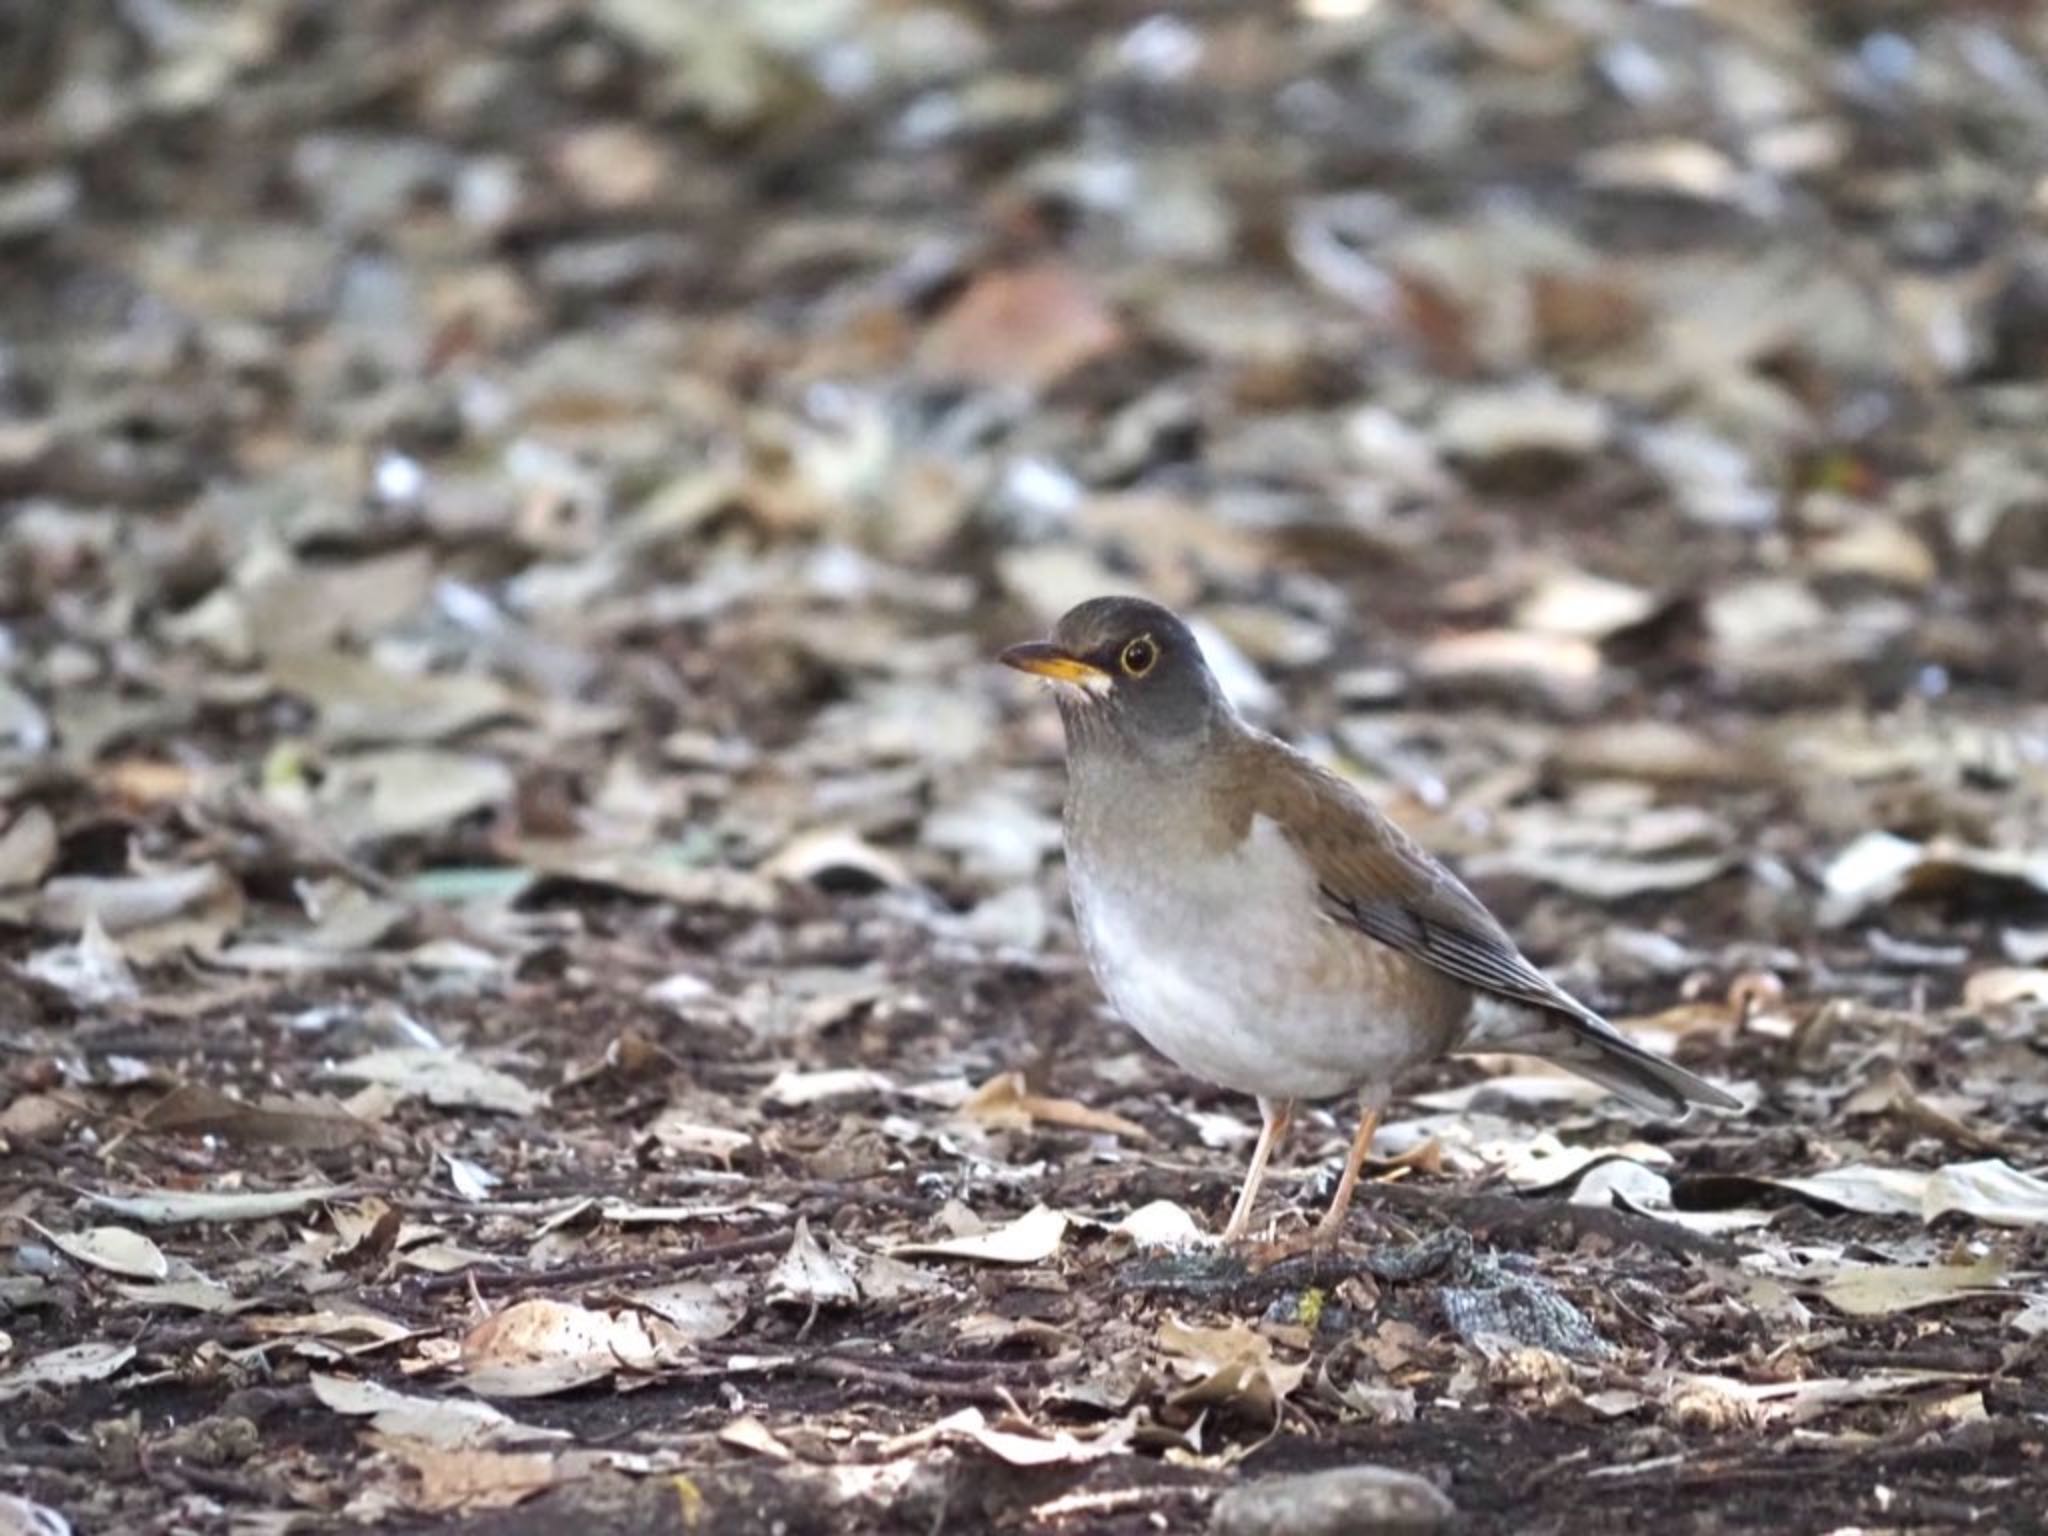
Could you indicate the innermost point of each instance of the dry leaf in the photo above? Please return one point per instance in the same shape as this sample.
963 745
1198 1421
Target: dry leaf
308 1124
808 1276
360 701
171 1208
748 1433
1231 1367
1032 1238
1004 1101
799 1090
1028 326
94 1360
24 1517
450 1423
28 849
445 1079
451 1480
113 1249
1879 1290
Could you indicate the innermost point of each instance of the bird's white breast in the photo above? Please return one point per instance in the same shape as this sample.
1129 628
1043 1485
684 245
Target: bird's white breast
1226 964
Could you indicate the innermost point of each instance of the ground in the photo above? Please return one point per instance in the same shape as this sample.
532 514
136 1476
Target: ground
536 988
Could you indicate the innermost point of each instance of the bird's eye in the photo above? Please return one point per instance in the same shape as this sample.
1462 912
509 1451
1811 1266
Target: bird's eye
1139 655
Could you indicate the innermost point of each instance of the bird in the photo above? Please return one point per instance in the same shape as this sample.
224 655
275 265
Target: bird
1263 925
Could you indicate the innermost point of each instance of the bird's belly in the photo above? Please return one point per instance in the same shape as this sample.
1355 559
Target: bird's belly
1234 974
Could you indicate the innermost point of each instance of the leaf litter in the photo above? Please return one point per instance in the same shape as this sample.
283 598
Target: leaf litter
517 877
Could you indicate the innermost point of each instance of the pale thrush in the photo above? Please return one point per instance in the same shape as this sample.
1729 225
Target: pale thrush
1262 923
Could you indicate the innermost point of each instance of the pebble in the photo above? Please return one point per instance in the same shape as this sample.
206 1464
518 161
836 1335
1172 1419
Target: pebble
1344 1501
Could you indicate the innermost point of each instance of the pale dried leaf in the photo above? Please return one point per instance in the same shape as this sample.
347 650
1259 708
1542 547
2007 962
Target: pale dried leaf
170 1208
1032 1238
116 1250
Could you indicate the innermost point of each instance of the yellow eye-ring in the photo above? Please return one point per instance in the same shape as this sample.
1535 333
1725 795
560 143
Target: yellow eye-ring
1139 655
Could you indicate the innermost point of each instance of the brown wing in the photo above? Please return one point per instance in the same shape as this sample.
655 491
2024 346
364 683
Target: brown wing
1375 878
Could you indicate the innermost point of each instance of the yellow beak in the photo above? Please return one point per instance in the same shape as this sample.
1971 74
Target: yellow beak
1041 659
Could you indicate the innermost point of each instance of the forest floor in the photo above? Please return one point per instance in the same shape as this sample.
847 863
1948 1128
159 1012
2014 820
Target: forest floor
536 988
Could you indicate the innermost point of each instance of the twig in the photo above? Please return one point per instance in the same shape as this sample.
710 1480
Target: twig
583 1274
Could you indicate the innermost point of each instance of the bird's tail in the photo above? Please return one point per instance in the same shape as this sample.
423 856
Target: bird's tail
1594 1049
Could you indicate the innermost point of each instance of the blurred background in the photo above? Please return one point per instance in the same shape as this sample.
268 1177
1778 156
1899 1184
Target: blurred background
632 424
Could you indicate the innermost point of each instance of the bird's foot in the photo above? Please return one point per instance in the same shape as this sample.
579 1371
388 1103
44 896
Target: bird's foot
1315 1243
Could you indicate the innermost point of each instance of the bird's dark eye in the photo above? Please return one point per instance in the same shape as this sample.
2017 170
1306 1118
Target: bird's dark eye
1139 655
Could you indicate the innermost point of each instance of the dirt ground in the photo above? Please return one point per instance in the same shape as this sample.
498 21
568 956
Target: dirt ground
536 987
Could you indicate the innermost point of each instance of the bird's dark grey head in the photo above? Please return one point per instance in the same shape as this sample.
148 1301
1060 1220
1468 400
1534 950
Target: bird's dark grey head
1131 673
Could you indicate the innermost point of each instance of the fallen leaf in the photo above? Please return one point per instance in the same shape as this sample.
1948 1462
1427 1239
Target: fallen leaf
450 1423
28 849
123 903
94 1360
113 1249
2002 985
1005 1101
748 1433
798 1090
1880 1290
1230 1367
406 791
307 1124
808 1276
1990 1190
538 1347
360 701
25 1517
1020 1447
838 860
697 1309
1027 326
170 1208
207 1296
468 1478
445 1079
1032 1238
92 971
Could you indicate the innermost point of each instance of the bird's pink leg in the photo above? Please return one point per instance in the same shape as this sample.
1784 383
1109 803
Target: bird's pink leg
1332 1223
1276 1113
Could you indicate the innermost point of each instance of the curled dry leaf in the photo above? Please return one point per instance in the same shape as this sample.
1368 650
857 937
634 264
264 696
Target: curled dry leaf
808 1276
1230 1367
187 1295
747 1433
1005 1101
538 1347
